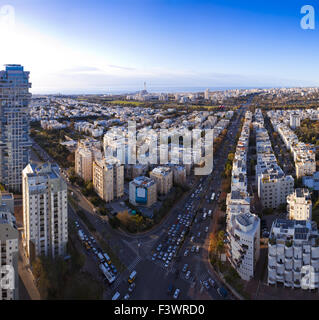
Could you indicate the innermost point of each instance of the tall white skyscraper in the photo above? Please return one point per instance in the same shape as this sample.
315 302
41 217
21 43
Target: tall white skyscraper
45 210
14 125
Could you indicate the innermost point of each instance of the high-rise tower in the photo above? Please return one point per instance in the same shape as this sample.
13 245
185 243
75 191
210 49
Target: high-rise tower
14 125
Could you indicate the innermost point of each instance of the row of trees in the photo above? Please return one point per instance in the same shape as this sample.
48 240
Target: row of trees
50 142
60 279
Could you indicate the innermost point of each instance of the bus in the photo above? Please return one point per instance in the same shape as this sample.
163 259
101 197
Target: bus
108 275
107 258
132 276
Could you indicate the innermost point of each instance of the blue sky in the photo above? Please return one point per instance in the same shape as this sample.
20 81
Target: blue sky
94 46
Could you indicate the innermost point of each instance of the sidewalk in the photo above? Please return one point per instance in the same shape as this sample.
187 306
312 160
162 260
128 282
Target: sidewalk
27 277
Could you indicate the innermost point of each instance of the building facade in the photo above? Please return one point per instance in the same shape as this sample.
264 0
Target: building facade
293 254
164 179
300 205
143 191
14 125
9 249
108 178
45 210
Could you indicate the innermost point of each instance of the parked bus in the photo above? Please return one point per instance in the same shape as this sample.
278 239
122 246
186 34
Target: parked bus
132 276
108 275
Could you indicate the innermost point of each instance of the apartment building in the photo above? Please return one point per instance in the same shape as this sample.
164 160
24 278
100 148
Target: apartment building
273 185
9 250
300 205
294 120
45 210
304 155
84 163
179 174
143 191
14 126
108 178
244 240
243 227
164 179
311 182
293 254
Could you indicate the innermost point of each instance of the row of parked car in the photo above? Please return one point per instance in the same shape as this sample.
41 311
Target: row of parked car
106 266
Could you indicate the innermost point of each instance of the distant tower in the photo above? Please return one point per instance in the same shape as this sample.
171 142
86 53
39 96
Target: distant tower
144 85
206 94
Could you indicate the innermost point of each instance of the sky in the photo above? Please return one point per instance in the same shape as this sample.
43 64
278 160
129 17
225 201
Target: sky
100 46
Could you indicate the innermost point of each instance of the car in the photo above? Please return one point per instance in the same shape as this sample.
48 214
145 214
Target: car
188 274
185 267
126 297
206 284
211 282
176 293
131 287
206 229
193 249
186 253
197 249
166 264
198 235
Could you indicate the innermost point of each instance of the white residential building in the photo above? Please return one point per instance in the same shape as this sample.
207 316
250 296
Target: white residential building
273 185
294 120
143 191
45 210
243 227
300 205
164 179
108 178
9 250
244 241
293 254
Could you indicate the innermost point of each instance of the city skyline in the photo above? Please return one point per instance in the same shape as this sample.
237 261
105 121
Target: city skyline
114 46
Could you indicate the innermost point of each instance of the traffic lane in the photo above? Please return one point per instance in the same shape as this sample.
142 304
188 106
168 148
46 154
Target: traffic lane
152 283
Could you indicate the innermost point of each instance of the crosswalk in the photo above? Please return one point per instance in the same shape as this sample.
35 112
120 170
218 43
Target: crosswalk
124 276
203 276
135 262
